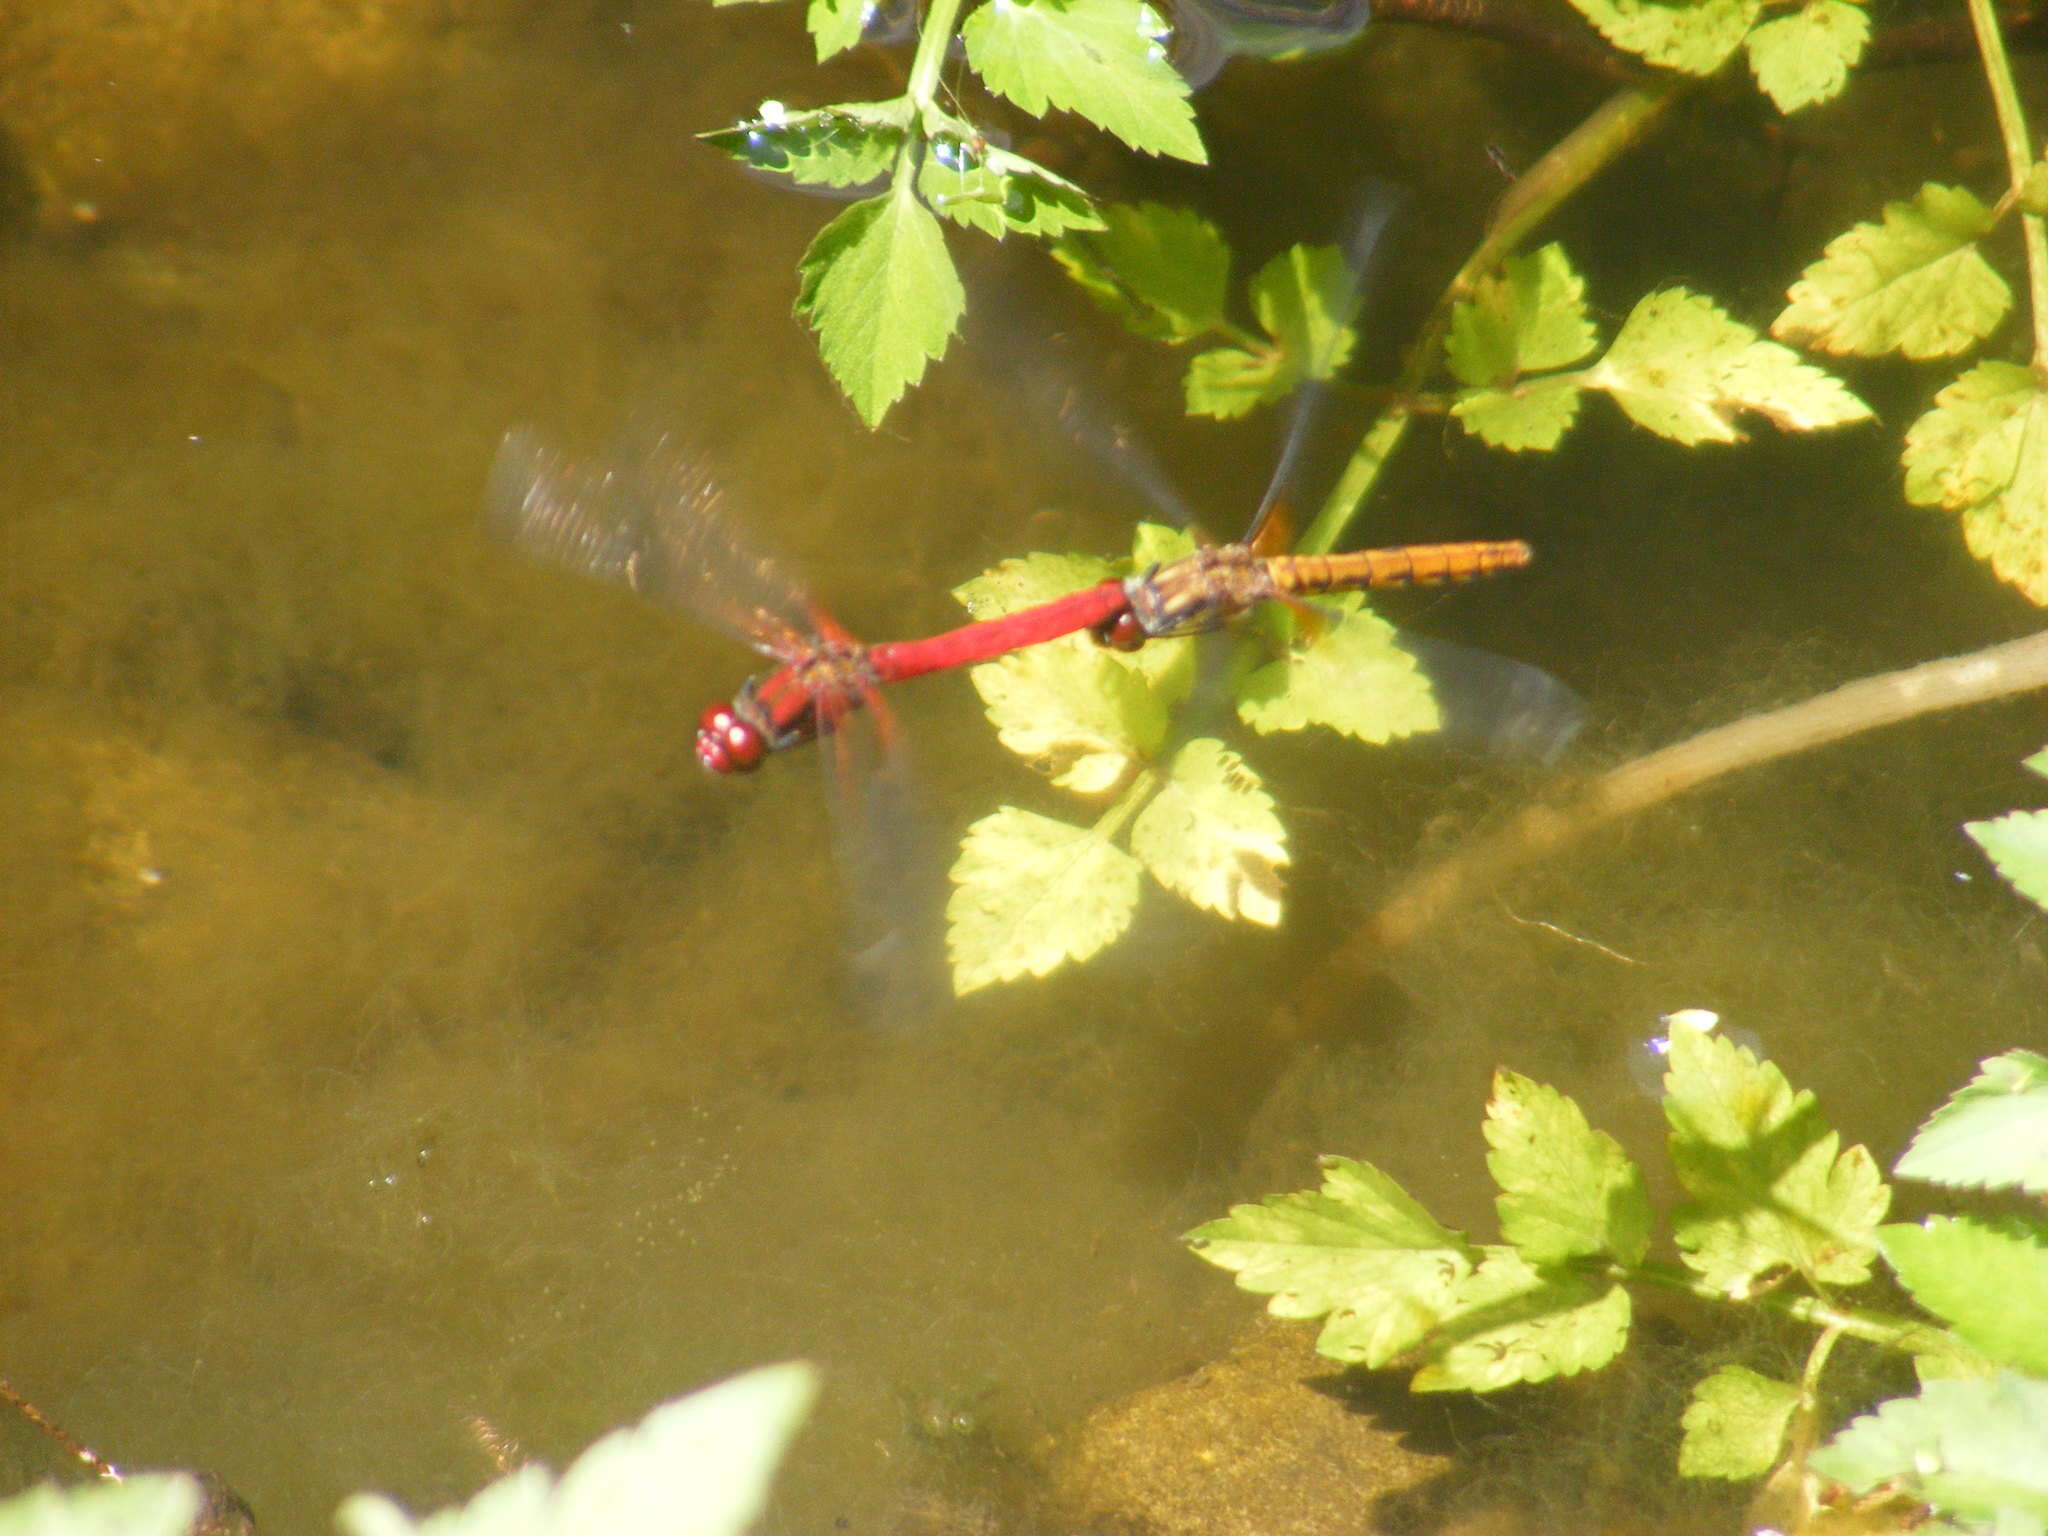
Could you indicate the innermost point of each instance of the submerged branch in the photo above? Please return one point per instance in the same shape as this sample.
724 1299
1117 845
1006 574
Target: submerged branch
1426 897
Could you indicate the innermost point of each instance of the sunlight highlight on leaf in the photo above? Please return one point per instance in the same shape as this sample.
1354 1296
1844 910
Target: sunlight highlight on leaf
1987 1280
1992 1133
1978 1450
1510 1322
1211 834
1359 1249
835 25
1100 58
1354 679
1766 1185
840 146
149 1504
1031 894
1983 451
1074 711
1567 1191
1735 1424
881 292
1696 39
1685 370
2018 845
1915 284
1805 57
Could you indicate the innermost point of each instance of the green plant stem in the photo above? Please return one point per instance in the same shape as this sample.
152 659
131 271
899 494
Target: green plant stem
2019 158
933 38
1619 123
1885 1329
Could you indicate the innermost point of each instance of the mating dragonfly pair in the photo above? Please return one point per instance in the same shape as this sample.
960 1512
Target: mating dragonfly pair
655 522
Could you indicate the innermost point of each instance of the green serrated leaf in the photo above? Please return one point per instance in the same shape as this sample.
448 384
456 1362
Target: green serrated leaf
1534 414
1164 272
1983 451
1304 297
1988 1281
1991 1134
699 1466
1695 39
1914 284
1805 57
1028 580
1033 893
1528 317
1685 370
150 1504
1767 1188
1228 382
1212 835
881 292
1100 58
2018 845
1353 679
1977 1450
1567 1191
1735 1424
1359 1250
1510 1322
843 146
835 25
986 187
1074 711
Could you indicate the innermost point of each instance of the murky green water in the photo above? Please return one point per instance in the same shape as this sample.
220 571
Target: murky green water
401 1029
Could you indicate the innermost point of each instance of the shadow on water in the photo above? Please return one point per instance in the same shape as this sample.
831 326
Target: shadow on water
402 1030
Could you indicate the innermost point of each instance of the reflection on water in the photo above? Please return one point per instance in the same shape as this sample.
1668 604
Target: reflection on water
403 1033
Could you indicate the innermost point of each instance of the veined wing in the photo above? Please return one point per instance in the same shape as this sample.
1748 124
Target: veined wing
654 520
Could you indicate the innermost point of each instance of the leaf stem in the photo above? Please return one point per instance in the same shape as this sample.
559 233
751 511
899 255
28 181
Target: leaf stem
1886 1329
934 37
2019 157
1622 120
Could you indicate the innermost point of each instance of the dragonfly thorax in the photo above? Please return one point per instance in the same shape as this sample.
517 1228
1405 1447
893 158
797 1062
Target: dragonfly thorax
1198 593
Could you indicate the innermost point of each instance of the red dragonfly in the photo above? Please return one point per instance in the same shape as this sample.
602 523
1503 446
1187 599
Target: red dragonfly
656 523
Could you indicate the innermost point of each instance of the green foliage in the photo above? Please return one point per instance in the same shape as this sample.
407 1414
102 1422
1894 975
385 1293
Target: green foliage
1774 1216
1799 58
698 1466
1679 366
1104 59
1165 273
153 1504
1768 1190
1992 1134
1031 892
1917 284
1983 451
1735 1424
877 284
1975 1450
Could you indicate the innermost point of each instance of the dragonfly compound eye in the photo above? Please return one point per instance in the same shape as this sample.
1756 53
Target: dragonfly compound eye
1122 633
726 743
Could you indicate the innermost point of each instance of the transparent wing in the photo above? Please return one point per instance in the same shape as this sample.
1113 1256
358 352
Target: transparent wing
652 519
1495 705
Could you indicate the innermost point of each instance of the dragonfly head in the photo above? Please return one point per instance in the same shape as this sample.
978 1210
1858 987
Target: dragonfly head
1122 633
727 742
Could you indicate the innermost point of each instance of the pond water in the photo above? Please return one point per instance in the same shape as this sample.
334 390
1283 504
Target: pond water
409 1048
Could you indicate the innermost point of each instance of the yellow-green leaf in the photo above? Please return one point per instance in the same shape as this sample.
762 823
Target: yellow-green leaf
1529 317
1532 414
1915 284
1983 451
1353 679
1510 1322
1212 835
1694 38
1031 894
1076 712
1735 1424
1685 370
882 294
1805 57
